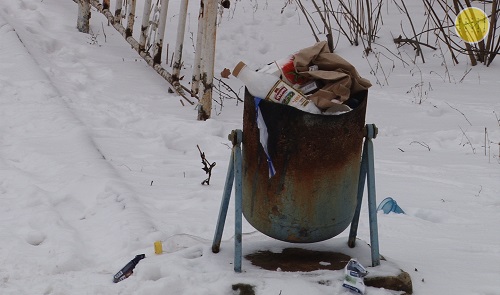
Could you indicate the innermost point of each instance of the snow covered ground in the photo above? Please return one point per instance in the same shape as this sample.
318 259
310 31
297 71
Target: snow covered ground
98 161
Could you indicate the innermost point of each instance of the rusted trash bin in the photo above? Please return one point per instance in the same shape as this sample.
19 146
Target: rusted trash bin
317 159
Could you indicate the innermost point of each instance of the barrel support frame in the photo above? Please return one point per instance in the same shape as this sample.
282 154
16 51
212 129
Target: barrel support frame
234 176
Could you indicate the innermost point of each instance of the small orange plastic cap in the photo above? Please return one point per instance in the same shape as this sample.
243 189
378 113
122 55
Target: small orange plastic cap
238 68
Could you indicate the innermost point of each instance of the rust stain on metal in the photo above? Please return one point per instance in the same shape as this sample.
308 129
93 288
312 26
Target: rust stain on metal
312 197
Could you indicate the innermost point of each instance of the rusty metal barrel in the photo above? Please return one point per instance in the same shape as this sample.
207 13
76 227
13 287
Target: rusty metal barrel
312 197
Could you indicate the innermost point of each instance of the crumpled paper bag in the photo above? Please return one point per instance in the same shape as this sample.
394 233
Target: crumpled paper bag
340 78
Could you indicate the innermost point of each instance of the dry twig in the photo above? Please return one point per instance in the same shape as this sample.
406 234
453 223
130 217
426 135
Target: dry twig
207 167
460 113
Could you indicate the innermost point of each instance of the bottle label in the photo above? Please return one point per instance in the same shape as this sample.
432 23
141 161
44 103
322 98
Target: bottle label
286 94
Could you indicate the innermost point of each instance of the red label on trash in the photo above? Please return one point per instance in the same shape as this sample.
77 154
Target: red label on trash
285 94
279 92
290 74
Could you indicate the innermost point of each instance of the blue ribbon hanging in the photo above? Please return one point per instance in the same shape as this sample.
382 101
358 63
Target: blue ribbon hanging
261 124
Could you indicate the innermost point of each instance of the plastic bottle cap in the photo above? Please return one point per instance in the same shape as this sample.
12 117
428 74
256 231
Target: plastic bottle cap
158 247
238 68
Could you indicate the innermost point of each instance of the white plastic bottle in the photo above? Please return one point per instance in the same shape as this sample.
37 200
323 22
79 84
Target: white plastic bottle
272 88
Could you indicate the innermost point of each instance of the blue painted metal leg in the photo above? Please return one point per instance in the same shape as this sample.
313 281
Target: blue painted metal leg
238 203
367 171
234 175
372 200
224 205
361 188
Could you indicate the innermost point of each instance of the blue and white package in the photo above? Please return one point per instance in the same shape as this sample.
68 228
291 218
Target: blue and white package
354 277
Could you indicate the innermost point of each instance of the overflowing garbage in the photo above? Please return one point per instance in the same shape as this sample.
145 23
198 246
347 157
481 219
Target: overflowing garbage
271 87
313 74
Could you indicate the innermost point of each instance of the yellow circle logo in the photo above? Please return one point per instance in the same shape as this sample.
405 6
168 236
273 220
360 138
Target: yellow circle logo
472 24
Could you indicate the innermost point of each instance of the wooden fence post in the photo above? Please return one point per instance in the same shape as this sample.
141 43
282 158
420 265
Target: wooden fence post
145 24
83 16
131 19
203 72
208 58
118 11
195 80
160 32
181 29
105 4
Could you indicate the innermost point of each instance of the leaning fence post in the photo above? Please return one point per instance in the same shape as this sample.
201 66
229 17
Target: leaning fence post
153 33
83 16
195 84
181 29
131 19
208 59
160 32
118 11
145 24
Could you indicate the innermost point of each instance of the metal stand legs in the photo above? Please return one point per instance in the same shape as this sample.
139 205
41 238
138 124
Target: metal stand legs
234 175
367 171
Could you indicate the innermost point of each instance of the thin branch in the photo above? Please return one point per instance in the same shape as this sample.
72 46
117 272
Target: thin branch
228 88
419 49
422 144
304 11
460 113
328 27
467 45
465 74
439 24
468 140
498 120
399 40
